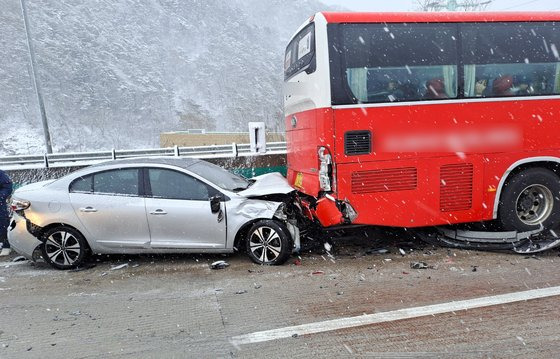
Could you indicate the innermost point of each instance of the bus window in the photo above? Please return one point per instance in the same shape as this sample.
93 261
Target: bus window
398 62
300 53
510 59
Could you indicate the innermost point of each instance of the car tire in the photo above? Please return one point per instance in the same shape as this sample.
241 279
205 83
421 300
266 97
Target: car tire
64 247
269 243
530 200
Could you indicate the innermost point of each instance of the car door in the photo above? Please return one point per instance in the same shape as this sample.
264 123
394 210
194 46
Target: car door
110 207
179 213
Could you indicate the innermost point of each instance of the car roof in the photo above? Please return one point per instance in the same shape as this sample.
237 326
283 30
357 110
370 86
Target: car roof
182 162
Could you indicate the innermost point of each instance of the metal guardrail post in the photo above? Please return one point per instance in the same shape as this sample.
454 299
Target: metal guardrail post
46 160
176 150
234 149
113 154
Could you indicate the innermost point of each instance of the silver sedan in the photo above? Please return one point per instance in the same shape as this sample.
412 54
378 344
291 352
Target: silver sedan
153 205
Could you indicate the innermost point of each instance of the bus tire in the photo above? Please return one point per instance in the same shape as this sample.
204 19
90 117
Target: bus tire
529 200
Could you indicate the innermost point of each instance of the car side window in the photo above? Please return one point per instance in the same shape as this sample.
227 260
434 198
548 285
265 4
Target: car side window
170 184
82 185
123 182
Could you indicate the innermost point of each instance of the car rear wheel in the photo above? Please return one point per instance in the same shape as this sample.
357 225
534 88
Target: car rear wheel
530 199
64 247
269 243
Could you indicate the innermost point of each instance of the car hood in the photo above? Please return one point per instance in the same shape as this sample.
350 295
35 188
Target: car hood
34 186
270 183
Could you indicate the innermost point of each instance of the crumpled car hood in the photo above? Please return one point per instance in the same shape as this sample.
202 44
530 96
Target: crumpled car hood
270 183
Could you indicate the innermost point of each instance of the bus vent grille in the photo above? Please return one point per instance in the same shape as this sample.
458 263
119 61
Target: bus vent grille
456 187
384 180
357 142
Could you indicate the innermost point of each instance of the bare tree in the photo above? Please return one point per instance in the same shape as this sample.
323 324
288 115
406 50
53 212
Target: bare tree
453 5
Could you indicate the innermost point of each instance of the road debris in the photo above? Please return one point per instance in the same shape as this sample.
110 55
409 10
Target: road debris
377 251
241 291
121 266
19 259
219 265
419 265
318 272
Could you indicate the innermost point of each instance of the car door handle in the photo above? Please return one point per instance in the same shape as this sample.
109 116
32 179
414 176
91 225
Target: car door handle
158 212
88 209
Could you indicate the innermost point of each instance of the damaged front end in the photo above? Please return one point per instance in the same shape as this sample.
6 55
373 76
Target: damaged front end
270 196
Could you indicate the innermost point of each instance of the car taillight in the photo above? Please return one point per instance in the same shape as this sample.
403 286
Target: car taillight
325 169
19 205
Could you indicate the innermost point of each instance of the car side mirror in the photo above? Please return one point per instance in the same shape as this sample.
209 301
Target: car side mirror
215 203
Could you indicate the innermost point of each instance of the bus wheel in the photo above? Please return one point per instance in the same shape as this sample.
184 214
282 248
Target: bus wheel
530 200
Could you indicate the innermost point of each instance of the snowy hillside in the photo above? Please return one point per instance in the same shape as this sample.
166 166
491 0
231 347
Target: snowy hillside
117 73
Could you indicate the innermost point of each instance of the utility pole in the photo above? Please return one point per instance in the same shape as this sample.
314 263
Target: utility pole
36 81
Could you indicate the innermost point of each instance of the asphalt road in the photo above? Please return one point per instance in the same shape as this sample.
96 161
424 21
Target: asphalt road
176 306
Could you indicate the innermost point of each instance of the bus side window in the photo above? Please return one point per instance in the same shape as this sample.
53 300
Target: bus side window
510 59
396 62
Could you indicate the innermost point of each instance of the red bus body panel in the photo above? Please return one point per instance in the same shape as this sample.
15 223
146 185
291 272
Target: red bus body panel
421 205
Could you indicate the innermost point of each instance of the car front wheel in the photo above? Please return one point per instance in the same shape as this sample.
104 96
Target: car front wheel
64 247
269 243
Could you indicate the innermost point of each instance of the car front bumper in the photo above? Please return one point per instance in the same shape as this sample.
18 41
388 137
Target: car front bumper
19 237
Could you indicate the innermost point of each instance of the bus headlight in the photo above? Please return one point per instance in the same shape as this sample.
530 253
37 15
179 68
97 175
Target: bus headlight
325 169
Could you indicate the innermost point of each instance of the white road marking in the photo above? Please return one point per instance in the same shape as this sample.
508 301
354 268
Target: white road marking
407 313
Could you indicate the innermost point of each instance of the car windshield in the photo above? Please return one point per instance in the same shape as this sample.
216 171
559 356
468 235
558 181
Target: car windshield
219 176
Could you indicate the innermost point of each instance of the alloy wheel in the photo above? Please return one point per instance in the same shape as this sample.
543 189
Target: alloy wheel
63 248
265 244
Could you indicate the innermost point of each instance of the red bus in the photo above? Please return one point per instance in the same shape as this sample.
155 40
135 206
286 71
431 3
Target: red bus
423 119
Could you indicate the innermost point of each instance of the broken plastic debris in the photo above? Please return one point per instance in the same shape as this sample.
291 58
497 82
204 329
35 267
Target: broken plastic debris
19 259
241 291
219 265
328 247
402 251
318 272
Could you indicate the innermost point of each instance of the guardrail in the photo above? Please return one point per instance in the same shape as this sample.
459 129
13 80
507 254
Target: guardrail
88 158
